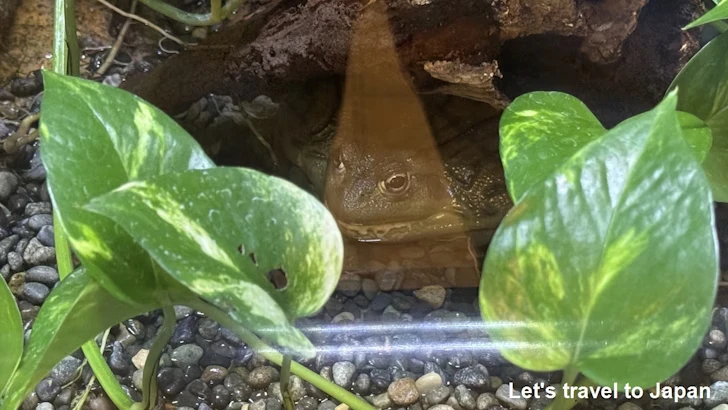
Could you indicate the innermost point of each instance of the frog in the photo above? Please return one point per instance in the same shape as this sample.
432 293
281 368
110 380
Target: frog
404 190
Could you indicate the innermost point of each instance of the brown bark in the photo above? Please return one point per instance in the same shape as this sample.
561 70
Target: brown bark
7 12
451 46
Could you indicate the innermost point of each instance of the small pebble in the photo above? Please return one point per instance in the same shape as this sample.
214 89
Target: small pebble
510 398
432 295
8 184
485 401
464 397
140 358
38 254
65 370
47 389
42 274
428 382
437 395
441 407
343 373
475 377
186 355
263 376
403 392
213 375
382 401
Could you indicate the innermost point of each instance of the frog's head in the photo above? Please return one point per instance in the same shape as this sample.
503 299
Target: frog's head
381 192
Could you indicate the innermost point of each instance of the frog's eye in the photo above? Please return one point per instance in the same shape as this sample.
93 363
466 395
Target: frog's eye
395 184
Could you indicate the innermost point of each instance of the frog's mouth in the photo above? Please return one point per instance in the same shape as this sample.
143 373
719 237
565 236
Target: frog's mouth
442 224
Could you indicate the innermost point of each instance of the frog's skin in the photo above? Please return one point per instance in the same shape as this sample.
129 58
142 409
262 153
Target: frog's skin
396 192
455 188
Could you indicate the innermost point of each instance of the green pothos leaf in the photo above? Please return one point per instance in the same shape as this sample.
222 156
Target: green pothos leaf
539 131
702 87
719 12
696 133
609 265
228 234
94 138
11 335
75 312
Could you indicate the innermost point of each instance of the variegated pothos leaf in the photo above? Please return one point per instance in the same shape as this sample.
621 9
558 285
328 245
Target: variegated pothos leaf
94 138
75 312
540 130
11 335
221 232
609 265
702 87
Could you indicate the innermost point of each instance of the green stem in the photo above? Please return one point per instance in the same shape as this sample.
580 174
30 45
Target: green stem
66 61
561 402
149 399
216 11
74 56
193 19
333 390
95 359
285 377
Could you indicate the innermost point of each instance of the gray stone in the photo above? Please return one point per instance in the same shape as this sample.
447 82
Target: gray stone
350 284
428 382
15 261
8 184
369 288
718 394
35 293
464 397
186 355
38 254
44 406
6 245
718 375
35 208
475 377
65 370
46 236
437 395
382 401
511 399
296 388
343 373
432 295
388 280
362 384
327 405
37 221
42 274
485 401
47 389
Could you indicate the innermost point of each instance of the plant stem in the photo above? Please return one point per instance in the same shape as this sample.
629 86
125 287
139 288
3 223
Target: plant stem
285 377
149 399
276 357
562 402
191 18
67 61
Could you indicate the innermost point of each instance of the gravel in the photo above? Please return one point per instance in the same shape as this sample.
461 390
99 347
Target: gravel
206 366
